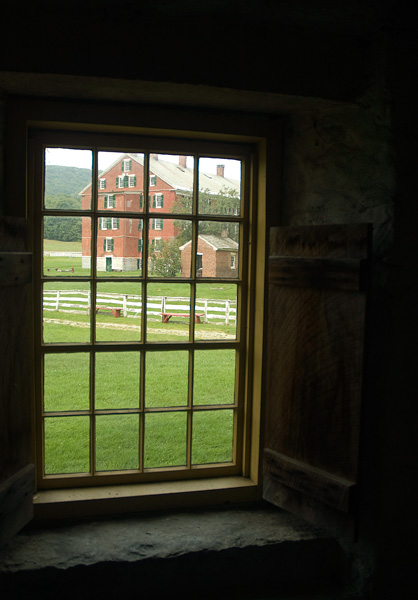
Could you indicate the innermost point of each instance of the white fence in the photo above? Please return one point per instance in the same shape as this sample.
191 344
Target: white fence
66 254
79 302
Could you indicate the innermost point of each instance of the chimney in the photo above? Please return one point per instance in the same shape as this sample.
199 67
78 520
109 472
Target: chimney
220 170
183 161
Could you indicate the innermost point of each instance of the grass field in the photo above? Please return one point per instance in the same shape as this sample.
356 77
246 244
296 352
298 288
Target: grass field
117 377
117 383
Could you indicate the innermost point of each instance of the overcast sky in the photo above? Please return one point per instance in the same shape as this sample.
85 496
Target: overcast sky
82 158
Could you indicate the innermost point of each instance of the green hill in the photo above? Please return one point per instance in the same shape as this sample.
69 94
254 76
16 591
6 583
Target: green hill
68 181
62 188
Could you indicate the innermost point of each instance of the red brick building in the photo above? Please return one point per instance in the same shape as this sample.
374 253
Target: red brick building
217 256
121 189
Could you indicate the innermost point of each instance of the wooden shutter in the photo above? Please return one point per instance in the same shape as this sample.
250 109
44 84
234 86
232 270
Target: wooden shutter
104 244
141 200
112 244
17 473
105 202
162 200
316 325
154 201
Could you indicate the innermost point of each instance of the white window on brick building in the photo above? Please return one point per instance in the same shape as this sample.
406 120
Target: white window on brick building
153 180
108 245
131 180
126 165
102 183
233 261
109 201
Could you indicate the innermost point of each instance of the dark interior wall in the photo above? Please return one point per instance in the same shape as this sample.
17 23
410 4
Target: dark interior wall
348 159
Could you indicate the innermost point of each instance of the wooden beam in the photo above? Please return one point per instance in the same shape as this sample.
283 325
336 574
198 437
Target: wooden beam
335 491
15 268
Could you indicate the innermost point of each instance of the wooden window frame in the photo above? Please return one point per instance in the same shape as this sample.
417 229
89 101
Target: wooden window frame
264 139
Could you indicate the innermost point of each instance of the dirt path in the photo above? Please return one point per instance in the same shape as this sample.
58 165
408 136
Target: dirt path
208 335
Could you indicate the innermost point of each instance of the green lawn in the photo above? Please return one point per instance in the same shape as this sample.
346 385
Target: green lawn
57 246
117 381
67 388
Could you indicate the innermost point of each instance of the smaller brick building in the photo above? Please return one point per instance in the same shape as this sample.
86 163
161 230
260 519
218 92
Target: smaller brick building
217 256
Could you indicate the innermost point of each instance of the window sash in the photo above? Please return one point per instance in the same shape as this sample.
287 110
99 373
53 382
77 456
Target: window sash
232 467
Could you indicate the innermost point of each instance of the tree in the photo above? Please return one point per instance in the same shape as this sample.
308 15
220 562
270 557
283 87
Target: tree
64 229
227 202
165 261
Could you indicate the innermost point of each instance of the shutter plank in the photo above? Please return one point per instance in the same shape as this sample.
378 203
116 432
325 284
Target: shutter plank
316 323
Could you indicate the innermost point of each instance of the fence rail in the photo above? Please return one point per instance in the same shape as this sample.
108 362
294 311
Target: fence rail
66 254
79 302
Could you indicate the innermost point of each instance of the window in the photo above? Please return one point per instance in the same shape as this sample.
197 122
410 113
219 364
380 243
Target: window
108 245
153 180
105 223
131 180
161 390
233 258
156 245
158 201
102 184
126 165
122 181
109 201
157 224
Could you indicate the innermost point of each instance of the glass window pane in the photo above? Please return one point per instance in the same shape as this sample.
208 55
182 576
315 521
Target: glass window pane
68 175
168 312
66 381
63 252
166 238
166 379
118 311
214 377
213 436
120 183
119 247
171 182
117 380
165 439
219 186
67 445
117 442
217 250
217 306
66 312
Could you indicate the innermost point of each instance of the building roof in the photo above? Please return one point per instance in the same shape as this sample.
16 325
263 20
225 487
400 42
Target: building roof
217 242
178 177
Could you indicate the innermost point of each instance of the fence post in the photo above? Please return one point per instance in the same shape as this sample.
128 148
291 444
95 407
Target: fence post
125 308
89 303
205 310
57 304
227 307
163 301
